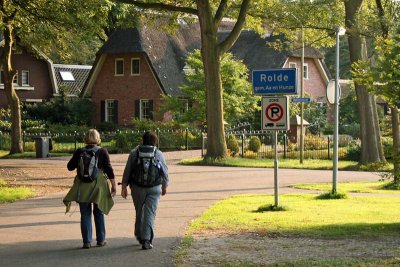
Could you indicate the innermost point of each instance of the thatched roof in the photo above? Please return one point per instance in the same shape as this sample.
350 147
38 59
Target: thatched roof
255 52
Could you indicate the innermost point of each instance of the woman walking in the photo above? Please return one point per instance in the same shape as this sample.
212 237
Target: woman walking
91 188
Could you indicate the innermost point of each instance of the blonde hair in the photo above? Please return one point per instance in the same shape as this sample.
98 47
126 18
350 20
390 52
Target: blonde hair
92 137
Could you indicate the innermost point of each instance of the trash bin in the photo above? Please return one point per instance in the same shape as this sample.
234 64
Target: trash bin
42 146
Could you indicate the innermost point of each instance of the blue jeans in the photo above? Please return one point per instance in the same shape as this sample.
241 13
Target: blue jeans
86 222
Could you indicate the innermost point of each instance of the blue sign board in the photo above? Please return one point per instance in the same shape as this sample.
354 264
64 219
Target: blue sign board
301 99
275 82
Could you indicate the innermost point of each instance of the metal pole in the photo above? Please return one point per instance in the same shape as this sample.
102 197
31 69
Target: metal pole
276 186
302 95
336 119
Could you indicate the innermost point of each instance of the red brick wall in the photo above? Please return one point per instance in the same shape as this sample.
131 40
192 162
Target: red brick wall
315 84
127 88
39 78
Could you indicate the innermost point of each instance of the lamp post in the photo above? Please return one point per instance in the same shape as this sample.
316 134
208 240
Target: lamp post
339 32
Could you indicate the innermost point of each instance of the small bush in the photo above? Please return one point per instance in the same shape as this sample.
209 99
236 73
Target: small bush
254 144
270 207
314 142
331 195
233 145
353 151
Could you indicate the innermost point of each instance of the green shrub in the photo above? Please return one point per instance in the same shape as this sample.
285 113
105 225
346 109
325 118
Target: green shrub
314 142
254 144
387 143
232 145
5 142
353 150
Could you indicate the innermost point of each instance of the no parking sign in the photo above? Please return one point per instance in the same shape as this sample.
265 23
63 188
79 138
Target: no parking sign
274 113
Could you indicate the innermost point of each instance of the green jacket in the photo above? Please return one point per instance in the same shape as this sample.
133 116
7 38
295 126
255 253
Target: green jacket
97 192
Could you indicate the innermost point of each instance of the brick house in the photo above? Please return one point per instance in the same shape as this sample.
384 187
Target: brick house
135 67
38 79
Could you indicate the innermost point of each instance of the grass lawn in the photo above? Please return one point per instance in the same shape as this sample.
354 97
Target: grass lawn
5 155
361 216
351 187
355 218
11 194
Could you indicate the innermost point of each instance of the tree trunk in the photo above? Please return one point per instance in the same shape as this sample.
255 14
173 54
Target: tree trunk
216 145
371 145
396 143
12 97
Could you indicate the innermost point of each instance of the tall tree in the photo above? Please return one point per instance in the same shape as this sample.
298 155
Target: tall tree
381 74
45 24
239 102
371 145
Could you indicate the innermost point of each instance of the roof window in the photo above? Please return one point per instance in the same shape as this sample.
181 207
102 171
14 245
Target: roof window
67 76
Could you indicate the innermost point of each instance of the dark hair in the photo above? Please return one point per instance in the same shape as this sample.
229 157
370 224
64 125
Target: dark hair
149 139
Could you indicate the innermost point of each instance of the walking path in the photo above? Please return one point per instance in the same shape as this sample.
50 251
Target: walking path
37 232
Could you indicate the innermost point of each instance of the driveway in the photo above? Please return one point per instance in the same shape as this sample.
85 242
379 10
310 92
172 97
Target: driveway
37 232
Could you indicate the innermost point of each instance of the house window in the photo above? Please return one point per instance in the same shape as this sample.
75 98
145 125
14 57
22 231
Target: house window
145 109
185 105
292 65
110 111
305 71
135 66
15 80
25 78
119 67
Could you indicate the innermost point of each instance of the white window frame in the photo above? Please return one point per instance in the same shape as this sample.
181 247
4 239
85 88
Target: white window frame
107 114
292 65
115 67
143 108
15 80
134 73
23 73
306 74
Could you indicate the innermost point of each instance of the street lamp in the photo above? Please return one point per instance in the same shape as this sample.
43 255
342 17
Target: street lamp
339 32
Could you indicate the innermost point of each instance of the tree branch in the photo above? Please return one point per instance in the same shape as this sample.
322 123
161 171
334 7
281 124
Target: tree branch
381 12
234 34
159 6
220 12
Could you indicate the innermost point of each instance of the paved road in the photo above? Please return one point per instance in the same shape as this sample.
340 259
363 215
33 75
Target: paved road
36 232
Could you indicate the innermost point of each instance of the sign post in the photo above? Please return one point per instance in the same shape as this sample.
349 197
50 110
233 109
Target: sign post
275 108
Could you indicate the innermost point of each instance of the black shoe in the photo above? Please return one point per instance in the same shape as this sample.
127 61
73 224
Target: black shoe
101 243
146 245
86 245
